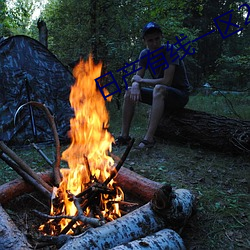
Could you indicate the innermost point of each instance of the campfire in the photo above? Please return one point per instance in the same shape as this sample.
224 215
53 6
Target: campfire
87 198
87 188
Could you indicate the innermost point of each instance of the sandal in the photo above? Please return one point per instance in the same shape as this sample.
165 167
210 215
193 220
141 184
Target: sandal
146 144
121 141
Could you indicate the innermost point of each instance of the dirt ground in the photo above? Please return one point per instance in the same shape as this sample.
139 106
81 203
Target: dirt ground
220 182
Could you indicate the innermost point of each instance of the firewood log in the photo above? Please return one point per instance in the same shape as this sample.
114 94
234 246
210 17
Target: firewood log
131 182
10 237
139 223
18 187
163 239
150 218
176 207
136 185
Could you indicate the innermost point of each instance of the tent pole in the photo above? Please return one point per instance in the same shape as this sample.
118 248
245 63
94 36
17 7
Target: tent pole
33 125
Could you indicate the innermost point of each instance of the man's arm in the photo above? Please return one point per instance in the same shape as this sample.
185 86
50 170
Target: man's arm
135 92
166 80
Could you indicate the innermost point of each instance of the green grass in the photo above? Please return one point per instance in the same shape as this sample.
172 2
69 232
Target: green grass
234 106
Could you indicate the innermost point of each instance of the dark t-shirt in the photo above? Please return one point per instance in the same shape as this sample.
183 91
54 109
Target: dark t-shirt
159 60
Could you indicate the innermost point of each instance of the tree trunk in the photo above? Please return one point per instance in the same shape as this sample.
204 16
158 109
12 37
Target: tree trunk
43 32
93 26
212 131
10 237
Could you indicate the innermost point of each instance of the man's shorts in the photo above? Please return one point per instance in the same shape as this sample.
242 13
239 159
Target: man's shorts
175 99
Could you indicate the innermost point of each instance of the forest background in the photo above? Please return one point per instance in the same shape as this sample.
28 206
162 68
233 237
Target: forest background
111 30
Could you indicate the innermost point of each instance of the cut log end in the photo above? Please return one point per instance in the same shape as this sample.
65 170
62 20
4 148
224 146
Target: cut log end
175 207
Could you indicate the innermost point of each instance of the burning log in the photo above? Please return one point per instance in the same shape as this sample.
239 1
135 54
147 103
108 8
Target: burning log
98 198
120 163
10 237
163 239
165 210
80 217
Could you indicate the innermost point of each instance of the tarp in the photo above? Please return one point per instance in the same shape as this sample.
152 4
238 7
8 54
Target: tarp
29 71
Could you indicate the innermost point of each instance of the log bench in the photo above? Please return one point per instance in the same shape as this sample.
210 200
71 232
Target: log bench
211 131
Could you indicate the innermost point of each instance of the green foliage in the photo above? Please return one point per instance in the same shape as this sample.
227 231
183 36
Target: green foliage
4 24
20 16
111 30
213 48
98 28
16 17
232 71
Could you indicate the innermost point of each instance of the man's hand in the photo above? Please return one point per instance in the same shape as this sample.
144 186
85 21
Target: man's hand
135 92
136 78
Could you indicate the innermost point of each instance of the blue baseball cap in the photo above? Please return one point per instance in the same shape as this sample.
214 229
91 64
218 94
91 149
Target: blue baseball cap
150 26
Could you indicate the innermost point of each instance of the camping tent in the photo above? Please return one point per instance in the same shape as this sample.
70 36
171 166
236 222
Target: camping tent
30 72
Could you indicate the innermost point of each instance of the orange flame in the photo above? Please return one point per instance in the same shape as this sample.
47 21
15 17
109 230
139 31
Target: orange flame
90 138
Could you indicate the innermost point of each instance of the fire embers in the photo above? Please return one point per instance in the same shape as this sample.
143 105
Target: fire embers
95 206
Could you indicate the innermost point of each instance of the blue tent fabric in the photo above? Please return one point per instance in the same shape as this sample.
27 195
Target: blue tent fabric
29 71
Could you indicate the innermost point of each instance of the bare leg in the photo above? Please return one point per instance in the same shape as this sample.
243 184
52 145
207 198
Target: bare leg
156 112
128 110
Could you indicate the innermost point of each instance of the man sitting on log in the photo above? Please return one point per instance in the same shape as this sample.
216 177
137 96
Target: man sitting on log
168 90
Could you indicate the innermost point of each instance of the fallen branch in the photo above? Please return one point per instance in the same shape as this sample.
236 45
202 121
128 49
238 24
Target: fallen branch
26 176
23 165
